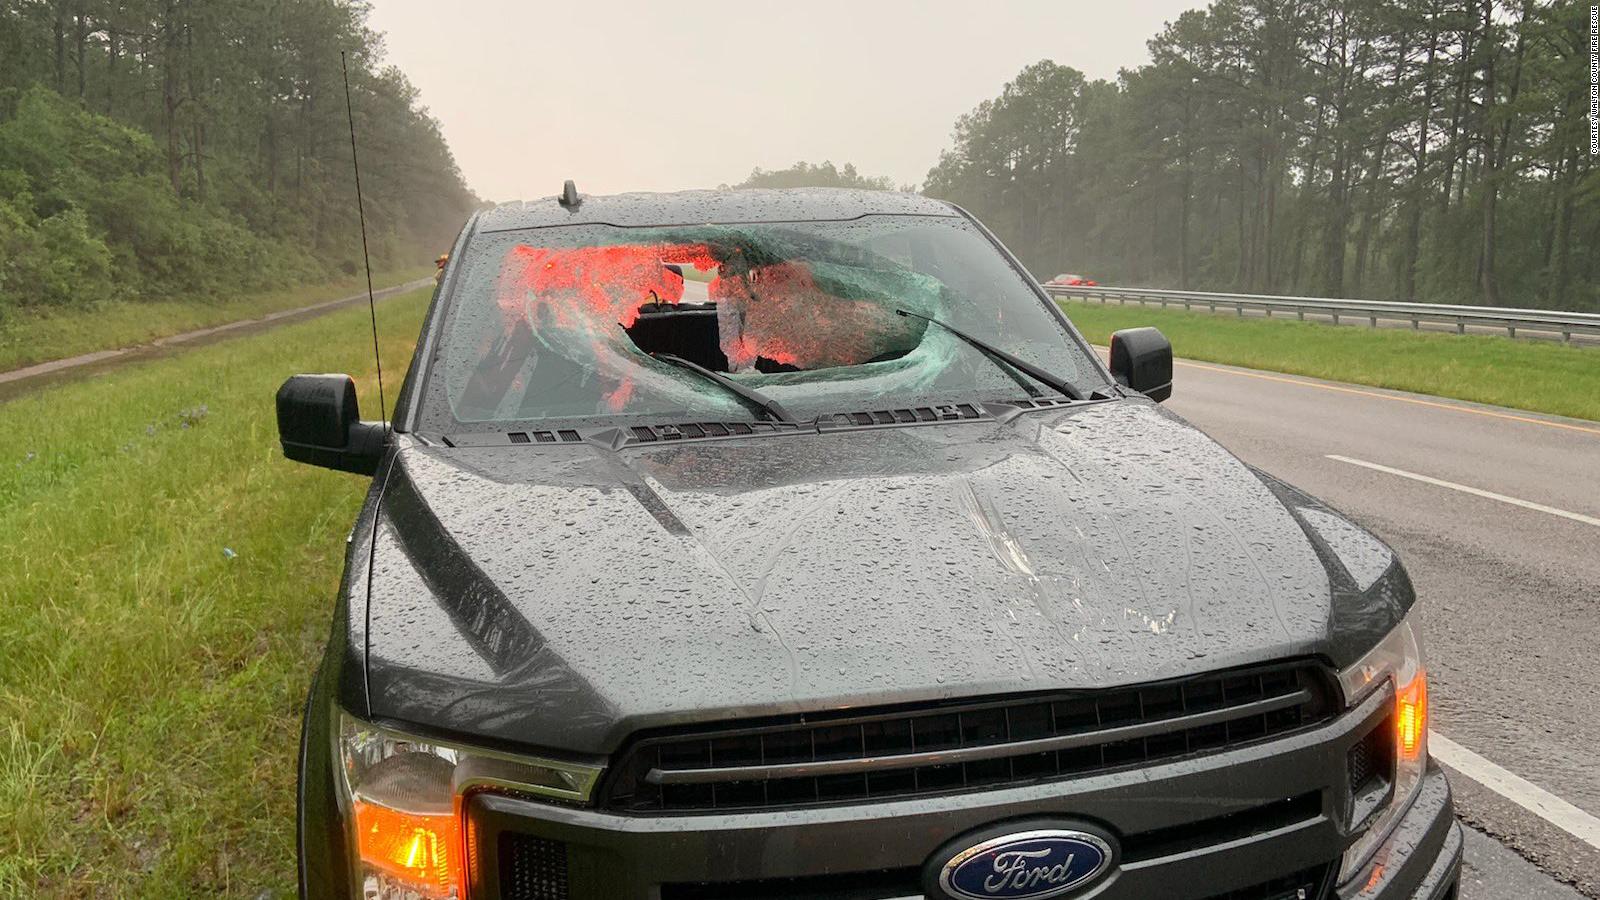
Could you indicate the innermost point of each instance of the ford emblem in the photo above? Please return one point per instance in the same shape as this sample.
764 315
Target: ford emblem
1026 865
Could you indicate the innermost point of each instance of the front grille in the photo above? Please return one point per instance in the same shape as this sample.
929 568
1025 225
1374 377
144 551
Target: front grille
1371 759
1176 840
848 886
535 868
1311 884
962 745
532 868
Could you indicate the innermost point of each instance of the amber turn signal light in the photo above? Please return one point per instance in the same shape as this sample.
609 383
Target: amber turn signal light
1411 716
417 849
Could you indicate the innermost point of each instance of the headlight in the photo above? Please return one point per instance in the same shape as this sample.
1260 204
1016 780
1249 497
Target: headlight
402 799
1397 660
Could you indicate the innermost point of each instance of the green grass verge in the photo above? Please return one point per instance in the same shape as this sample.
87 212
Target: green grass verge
37 335
1533 375
167 585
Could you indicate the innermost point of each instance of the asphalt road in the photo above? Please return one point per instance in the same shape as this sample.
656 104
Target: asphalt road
1496 514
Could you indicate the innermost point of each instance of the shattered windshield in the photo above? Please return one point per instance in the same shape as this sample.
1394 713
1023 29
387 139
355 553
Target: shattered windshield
571 322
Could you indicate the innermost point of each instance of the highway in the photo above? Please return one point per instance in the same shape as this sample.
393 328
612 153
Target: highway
1496 514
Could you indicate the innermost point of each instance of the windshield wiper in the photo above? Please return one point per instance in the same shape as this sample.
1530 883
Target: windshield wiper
755 398
1001 356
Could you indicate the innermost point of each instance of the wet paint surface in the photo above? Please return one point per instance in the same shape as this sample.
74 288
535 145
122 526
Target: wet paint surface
565 596
1365 557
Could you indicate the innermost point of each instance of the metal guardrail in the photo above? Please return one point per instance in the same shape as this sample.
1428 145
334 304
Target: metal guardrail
1512 320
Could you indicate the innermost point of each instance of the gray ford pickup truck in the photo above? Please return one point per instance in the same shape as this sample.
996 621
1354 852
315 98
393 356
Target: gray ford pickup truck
794 544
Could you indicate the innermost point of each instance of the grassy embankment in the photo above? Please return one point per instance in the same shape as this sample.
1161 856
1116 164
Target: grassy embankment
44 333
1541 376
166 588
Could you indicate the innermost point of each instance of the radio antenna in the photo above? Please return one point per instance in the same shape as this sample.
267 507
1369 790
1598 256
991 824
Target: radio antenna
361 213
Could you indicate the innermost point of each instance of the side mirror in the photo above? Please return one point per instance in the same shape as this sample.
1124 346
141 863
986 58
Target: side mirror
319 422
1141 358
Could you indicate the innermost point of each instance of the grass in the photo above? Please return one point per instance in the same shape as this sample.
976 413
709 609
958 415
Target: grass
167 584
37 335
1533 375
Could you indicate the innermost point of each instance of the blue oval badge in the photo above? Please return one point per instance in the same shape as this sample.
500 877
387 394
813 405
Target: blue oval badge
1027 865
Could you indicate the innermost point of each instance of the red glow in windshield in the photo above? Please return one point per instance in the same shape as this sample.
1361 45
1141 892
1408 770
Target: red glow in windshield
593 285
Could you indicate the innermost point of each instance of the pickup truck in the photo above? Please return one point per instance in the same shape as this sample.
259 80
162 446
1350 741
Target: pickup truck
794 544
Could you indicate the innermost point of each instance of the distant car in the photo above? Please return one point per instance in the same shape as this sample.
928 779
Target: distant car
793 544
1067 279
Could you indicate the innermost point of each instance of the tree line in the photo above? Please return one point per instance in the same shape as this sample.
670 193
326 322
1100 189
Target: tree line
1431 150
187 147
824 174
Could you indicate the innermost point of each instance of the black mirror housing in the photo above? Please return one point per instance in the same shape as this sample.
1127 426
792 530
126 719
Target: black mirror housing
319 423
1141 358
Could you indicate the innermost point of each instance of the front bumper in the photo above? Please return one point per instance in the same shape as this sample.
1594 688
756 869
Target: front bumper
1190 830
1422 859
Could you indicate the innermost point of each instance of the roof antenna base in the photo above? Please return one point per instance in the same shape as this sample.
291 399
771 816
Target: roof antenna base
569 195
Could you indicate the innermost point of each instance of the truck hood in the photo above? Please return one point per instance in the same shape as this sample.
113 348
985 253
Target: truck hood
563 596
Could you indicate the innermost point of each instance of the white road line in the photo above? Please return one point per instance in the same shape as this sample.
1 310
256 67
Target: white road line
1515 788
1518 790
1526 504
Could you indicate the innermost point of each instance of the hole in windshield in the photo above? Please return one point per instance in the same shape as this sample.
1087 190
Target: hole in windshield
770 319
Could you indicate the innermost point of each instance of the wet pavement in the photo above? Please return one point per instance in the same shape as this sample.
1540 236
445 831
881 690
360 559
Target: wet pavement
1509 584
1492 872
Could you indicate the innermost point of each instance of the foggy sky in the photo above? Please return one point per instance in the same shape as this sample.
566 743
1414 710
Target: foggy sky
667 96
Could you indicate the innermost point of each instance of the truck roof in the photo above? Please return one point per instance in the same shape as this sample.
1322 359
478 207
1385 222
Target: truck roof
702 207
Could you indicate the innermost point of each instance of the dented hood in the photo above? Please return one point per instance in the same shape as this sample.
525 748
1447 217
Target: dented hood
564 596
